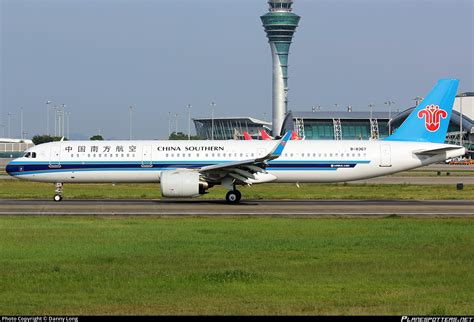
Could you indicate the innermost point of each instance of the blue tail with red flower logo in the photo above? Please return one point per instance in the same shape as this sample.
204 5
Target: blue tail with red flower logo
430 119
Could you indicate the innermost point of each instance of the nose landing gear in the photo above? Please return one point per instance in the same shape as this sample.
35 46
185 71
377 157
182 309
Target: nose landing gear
59 190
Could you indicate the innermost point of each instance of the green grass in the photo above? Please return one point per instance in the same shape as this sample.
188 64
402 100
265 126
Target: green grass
32 190
93 265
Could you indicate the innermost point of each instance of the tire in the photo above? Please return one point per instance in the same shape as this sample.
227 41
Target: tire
233 197
58 198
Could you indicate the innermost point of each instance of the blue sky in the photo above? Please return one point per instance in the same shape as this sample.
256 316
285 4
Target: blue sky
99 57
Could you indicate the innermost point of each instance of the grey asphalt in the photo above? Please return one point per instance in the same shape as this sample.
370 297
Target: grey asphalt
201 207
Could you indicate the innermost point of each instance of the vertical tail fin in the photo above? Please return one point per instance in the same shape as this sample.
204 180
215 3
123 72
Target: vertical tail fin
265 135
247 136
430 119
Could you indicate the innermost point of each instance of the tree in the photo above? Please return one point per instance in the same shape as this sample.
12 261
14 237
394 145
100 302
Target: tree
182 136
97 138
38 139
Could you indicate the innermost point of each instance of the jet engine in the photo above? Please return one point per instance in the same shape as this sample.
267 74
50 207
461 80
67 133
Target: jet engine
181 184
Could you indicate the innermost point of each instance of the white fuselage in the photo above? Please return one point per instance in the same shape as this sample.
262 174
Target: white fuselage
143 161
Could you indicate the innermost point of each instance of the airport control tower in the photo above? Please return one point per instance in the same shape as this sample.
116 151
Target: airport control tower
280 25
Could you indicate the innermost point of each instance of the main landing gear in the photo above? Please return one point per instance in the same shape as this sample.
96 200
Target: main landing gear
59 190
233 196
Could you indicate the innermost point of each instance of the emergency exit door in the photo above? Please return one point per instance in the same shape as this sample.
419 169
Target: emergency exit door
146 157
55 157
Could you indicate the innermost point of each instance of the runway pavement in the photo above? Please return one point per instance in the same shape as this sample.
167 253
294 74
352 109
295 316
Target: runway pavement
284 208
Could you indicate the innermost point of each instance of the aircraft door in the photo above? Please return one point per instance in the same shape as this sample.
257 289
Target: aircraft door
146 157
385 155
55 157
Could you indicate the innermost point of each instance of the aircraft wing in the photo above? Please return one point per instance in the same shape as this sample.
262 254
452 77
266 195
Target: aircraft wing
246 170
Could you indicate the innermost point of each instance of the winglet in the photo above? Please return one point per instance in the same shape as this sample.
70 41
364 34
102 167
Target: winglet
277 151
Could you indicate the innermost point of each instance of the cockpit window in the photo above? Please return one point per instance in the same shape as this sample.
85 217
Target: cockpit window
30 155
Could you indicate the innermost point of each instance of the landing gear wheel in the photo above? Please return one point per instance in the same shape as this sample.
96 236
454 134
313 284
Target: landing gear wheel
59 190
233 196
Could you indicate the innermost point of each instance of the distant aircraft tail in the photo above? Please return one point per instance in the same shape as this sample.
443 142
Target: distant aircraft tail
430 119
265 135
294 136
247 136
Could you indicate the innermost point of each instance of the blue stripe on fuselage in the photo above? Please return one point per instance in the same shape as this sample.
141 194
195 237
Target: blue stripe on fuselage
18 168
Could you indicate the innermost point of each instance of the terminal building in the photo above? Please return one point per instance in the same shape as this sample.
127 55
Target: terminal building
13 148
229 128
337 125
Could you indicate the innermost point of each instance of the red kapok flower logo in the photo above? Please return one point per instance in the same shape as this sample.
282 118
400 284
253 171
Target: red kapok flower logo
432 115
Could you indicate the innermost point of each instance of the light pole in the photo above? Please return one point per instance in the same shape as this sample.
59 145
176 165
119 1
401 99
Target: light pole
460 118
21 123
67 124
176 122
63 112
169 124
55 108
189 120
418 100
130 110
212 119
9 124
389 103
371 106
47 116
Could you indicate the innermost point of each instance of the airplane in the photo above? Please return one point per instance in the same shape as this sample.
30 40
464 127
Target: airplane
265 136
188 169
247 136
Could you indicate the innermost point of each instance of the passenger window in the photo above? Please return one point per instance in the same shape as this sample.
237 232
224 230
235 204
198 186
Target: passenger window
197 154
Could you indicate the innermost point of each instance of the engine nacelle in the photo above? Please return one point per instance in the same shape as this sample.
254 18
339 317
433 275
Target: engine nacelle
180 184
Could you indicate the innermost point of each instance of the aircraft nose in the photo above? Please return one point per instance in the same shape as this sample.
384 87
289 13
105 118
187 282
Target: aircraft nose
10 168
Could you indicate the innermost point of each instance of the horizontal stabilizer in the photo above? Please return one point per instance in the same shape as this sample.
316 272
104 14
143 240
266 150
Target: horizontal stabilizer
437 151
